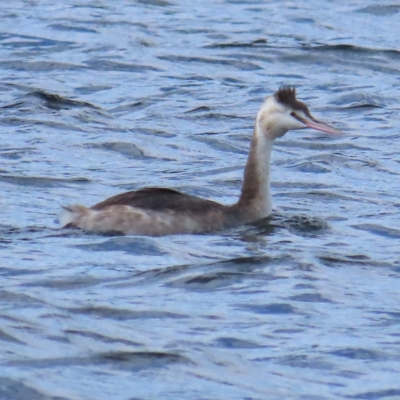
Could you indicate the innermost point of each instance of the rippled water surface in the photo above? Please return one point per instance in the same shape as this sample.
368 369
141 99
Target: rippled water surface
102 97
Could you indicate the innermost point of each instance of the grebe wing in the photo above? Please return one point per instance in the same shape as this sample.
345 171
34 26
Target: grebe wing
159 199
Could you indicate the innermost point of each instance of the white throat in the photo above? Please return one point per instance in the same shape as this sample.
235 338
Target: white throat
263 164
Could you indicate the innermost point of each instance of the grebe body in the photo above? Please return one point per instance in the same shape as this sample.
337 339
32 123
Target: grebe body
159 211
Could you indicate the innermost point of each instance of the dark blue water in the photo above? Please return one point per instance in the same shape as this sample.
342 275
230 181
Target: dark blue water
102 97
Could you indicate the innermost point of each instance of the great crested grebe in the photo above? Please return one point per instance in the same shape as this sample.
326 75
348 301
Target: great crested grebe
159 211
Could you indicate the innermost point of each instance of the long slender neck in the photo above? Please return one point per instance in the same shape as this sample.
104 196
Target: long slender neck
255 201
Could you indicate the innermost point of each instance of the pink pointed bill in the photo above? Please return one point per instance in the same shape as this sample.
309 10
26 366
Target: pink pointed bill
319 126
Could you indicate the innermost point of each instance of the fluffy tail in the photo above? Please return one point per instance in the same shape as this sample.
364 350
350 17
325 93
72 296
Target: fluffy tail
71 216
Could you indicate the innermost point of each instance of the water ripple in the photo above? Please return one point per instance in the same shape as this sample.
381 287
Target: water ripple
100 98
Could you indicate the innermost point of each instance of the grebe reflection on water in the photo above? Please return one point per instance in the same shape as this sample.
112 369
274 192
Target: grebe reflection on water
159 211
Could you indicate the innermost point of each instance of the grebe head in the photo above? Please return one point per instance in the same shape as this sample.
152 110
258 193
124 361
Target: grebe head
282 112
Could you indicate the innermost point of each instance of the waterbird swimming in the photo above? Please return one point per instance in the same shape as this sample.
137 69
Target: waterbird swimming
160 211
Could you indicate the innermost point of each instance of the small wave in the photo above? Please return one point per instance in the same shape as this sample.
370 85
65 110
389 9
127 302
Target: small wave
339 260
137 245
73 28
39 66
8 338
208 281
132 360
101 64
15 389
57 102
199 109
306 361
41 181
234 343
238 64
272 308
124 148
350 48
135 106
360 100
377 395
254 43
360 354
381 9
100 337
379 230
311 298
124 315
303 225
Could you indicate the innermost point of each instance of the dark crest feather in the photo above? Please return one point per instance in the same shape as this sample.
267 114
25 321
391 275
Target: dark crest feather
286 95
